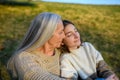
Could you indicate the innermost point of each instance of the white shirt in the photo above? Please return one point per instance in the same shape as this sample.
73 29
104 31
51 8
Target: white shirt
81 61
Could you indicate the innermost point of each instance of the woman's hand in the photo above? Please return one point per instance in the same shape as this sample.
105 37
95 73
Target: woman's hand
112 77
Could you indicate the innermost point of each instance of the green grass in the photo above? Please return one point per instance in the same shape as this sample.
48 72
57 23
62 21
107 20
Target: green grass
97 24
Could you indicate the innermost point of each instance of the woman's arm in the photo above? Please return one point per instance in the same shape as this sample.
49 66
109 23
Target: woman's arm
103 69
112 77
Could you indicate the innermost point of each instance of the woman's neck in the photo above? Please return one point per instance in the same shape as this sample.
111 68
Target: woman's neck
47 49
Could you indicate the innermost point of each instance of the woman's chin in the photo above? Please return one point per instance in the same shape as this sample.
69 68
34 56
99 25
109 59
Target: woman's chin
58 46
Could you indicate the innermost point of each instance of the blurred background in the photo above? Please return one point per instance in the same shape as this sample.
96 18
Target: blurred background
97 21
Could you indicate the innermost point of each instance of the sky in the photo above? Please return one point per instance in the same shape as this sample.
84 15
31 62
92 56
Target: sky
107 2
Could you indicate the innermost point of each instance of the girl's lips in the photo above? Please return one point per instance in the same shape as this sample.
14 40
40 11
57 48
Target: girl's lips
77 40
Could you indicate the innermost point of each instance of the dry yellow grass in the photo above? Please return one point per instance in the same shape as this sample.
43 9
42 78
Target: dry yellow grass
97 24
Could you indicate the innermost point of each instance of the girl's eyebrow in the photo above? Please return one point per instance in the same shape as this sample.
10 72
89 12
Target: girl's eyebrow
68 32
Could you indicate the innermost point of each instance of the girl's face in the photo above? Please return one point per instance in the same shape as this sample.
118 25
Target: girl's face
72 37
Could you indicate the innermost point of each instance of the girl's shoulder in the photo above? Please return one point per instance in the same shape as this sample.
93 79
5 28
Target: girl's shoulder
64 56
87 45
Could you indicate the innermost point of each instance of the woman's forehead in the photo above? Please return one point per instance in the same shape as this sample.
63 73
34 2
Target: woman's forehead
60 25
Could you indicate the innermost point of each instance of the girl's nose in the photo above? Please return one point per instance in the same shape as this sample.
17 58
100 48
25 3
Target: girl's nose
75 35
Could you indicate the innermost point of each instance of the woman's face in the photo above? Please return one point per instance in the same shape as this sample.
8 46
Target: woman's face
72 37
58 36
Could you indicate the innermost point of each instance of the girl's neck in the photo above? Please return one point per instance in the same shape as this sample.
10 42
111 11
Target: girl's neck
47 49
74 48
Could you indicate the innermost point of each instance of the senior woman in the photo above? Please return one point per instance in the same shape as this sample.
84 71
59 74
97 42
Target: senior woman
37 57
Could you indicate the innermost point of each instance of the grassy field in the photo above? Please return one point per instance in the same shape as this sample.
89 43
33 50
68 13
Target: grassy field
97 24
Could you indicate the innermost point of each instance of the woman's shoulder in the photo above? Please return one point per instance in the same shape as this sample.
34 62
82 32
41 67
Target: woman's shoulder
22 55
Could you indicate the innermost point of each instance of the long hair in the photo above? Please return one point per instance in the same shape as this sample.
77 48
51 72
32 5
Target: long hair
40 31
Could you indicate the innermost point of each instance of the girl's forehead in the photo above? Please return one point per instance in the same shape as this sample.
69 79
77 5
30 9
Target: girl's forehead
69 27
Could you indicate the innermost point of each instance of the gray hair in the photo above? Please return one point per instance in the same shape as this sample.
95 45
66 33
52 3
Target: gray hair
40 31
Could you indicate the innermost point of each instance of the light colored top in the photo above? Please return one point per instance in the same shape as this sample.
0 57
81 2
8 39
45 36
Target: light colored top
36 66
81 61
